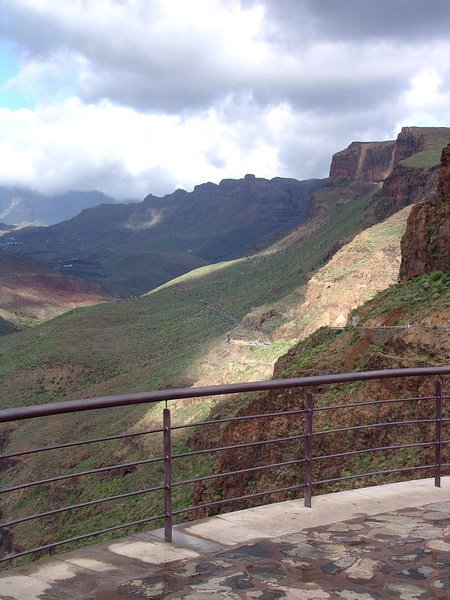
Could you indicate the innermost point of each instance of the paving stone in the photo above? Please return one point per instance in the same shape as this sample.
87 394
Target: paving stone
208 595
443 583
419 573
258 550
404 558
238 581
268 572
298 594
265 595
406 592
435 515
350 594
363 569
438 545
340 527
333 568
315 550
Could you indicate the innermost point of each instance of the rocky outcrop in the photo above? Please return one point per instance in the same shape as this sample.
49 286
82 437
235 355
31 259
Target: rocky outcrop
410 140
404 186
426 243
366 265
369 162
406 169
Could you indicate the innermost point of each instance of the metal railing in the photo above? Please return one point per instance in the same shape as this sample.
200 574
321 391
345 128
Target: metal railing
307 408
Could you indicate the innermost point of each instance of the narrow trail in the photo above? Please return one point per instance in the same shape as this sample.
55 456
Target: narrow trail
221 312
237 323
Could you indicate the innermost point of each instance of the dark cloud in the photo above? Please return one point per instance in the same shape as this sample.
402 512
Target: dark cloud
401 21
138 63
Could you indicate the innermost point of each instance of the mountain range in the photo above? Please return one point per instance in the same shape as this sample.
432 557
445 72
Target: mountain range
132 248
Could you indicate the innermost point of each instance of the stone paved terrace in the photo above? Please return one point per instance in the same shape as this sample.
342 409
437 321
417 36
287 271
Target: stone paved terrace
390 541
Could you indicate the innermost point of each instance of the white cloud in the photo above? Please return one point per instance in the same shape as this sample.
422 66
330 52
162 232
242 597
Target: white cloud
126 153
139 96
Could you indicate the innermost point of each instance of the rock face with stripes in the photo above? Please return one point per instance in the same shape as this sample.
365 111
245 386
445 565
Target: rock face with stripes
426 243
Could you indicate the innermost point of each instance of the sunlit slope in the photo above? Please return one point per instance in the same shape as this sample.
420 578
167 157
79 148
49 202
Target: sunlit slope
158 339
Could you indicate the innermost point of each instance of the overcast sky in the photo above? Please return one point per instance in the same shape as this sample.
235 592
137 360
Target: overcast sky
132 97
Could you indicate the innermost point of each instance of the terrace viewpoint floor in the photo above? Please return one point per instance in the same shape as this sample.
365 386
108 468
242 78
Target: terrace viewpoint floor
390 541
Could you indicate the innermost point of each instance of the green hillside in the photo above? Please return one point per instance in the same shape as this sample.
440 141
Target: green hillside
159 340
155 340
434 139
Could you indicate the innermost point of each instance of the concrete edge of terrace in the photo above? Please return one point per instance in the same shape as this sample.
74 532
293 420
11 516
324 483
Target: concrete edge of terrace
135 555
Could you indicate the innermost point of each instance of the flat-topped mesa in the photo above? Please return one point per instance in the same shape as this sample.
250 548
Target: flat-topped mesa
369 162
373 162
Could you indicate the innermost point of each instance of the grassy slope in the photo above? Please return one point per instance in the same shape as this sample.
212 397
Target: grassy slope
424 302
158 340
435 139
142 343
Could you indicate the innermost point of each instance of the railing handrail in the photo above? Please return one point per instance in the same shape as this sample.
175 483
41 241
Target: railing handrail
307 408
83 404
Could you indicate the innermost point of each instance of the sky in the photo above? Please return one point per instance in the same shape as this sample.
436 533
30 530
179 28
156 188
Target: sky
131 97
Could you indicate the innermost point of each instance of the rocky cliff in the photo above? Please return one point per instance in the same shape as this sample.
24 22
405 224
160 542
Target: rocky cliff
404 186
375 161
364 161
426 243
414 176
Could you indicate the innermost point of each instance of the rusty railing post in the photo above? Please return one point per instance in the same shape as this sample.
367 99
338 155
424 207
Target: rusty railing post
167 476
309 403
438 434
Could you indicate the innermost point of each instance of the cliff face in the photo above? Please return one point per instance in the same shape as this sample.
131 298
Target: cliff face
404 186
426 243
415 173
374 162
366 162
410 140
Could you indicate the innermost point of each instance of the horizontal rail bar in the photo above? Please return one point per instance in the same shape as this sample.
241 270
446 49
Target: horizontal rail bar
81 474
81 505
244 418
228 500
219 449
370 403
364 450
230 473
70 406
371 474
387 424
81 443
78 538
